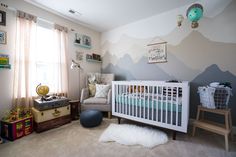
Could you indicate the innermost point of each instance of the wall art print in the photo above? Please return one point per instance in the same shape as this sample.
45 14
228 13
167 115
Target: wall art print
157 52
83 40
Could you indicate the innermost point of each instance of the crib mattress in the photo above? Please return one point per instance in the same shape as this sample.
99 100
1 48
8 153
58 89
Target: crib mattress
165 105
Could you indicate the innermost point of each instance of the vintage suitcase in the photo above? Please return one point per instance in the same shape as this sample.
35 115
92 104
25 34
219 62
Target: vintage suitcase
42 116
48 119
53 103
43 126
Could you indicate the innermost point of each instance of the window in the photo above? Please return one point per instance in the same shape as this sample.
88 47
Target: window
46 58
40 57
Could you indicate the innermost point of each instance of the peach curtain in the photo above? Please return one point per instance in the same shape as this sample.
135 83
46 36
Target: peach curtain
24 67
61 45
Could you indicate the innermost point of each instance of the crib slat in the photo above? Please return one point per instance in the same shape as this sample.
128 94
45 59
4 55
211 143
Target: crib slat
153 88
127 100
144 104
129 93
148 91
140 106
161 103
133 100
171 109
136 107
177 106
121 99
117 95
157 104
166 110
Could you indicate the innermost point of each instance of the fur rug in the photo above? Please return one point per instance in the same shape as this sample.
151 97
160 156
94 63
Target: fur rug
133 135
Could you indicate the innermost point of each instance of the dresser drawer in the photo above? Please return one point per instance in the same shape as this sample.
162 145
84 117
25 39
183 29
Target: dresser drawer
46 115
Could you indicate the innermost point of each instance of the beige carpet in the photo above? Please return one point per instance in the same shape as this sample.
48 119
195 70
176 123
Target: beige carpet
73 140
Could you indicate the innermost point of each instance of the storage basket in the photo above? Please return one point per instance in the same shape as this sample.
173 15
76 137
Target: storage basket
214 97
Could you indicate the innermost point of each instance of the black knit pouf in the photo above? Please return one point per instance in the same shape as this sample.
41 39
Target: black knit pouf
90 118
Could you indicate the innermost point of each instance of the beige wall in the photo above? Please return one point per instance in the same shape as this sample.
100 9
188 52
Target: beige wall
6 76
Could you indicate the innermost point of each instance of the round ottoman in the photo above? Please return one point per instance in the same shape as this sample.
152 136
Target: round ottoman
90 118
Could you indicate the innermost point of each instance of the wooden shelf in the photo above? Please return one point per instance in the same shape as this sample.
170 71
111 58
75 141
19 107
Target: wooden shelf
7 66
84 46
222 129
93 60
211 126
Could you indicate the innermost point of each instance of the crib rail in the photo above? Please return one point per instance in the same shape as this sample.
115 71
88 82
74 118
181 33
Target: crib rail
157 103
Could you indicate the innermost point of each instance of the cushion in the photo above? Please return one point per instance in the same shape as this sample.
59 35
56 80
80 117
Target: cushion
92 89
91 118
102 90
94 100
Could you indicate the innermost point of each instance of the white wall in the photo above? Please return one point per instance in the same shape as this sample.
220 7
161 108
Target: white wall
6 76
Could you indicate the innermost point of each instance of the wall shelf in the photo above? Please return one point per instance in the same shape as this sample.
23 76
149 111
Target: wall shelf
5 66
84 46
93 60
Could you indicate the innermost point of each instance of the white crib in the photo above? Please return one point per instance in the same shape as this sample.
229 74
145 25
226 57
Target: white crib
160 103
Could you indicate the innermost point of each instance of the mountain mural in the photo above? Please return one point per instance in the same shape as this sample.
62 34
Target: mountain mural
126 68
185 62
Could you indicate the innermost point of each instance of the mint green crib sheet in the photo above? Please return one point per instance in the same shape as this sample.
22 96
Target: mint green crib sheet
126 100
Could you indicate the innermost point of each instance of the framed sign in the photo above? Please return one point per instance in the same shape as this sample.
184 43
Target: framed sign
157 52
2 18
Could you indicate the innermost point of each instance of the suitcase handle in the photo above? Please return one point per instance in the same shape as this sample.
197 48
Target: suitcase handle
56 113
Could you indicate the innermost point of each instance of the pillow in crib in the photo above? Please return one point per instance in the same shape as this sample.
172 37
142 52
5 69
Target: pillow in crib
102 90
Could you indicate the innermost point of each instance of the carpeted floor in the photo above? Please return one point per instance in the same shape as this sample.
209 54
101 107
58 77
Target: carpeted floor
72 140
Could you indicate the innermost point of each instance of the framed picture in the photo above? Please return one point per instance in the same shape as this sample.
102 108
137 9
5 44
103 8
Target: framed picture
96 57
79 55
88 56
2 18
83 40
86 41
157 53
3 37
78 38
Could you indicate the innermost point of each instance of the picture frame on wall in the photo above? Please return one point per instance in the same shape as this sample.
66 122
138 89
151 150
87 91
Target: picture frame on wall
3 37
86 41
157 52
83 41
2 18
78 38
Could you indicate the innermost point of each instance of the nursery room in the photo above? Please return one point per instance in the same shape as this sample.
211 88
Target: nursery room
117 78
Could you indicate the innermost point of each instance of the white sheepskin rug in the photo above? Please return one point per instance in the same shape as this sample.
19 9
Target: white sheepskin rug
133 135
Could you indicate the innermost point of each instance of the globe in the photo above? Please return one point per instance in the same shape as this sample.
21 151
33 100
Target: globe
42 90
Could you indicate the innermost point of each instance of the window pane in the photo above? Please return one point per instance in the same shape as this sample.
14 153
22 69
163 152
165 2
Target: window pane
47 64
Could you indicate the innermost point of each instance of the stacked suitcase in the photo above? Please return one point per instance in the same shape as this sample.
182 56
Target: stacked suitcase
50 114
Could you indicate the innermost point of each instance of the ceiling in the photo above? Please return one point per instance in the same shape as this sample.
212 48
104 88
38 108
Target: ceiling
103 15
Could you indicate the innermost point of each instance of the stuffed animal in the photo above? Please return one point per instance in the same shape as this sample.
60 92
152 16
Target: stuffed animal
136 89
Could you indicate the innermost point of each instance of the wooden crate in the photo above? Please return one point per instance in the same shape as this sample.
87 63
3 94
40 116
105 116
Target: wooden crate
16 129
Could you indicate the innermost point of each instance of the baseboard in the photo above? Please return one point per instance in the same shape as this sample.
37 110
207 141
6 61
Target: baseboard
192 120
